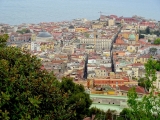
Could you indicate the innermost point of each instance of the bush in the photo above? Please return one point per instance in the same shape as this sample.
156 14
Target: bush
29 93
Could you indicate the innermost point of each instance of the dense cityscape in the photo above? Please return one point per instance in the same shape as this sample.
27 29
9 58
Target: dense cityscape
107 56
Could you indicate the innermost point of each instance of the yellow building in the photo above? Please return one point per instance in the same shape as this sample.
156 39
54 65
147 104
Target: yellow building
68 49
33 37
111 22
111 92
45 46
158 80
97 26
13 45
127 35
142 59
81 29
131 48
107 53
132 27
103 23
135 71
26 46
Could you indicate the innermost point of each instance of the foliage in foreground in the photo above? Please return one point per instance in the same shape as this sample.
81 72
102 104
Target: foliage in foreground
102 115
29 93
149 107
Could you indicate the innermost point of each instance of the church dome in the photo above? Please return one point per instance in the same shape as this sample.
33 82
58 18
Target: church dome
44 34
132 37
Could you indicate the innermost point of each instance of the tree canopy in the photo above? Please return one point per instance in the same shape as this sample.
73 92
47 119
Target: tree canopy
23 31
146 31
153 51
157 41
3 39
29 93
141 36
149 107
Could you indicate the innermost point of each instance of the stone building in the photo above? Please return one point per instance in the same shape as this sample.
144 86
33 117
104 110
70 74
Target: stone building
42 41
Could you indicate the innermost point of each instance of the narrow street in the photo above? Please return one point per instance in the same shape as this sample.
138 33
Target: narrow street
111 52
85 67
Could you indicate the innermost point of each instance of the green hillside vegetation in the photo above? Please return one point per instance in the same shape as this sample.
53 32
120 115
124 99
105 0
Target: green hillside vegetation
29 93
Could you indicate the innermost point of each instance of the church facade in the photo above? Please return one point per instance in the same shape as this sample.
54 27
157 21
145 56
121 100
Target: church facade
42 41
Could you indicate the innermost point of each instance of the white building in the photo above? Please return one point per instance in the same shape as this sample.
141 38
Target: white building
99 43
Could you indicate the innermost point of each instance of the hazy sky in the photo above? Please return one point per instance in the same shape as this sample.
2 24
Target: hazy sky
35 11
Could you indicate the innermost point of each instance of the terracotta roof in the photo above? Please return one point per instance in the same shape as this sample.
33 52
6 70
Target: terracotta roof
57 61
126 44
138 89
145 56
136 64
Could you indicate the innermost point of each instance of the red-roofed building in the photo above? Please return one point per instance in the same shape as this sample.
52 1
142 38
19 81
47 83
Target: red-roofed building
147 24
113 16
126 20
111 82
123 90
119 40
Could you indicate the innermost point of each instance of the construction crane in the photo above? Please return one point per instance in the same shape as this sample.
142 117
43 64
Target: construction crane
100 12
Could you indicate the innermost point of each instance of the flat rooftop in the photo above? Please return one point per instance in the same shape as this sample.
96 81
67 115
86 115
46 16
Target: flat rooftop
109 96
105 107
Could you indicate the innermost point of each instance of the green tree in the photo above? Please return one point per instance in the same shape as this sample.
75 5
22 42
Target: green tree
29 93
142 32
157 32
77 96
86 35
148 107
141 36
144 83
102 115
149 40
99 114
24 31
157 66
157 41
110 114
153 51
3 39
126 114
147 30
